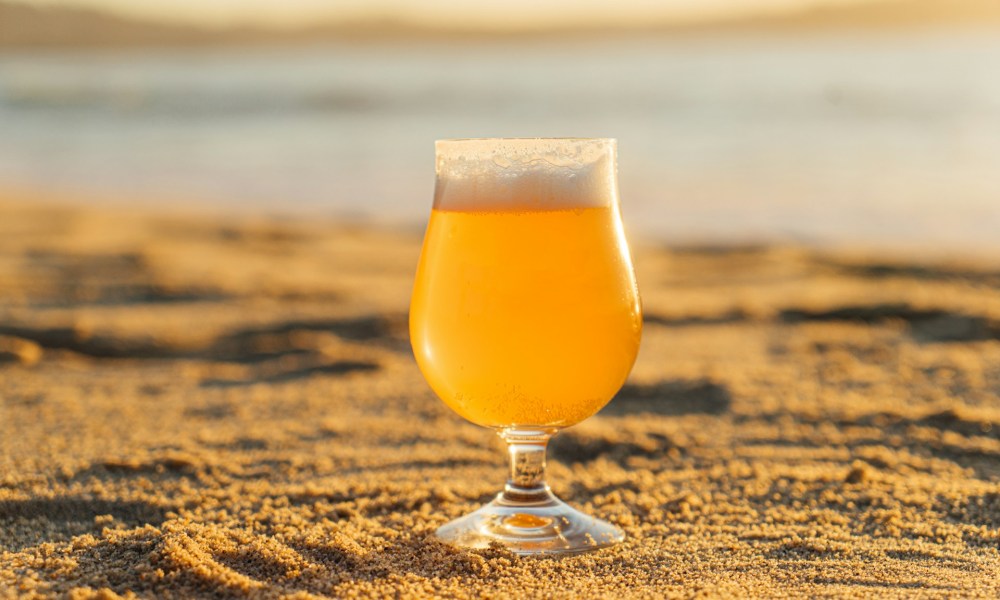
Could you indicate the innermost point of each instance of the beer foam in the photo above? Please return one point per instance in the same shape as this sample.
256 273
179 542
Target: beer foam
525 174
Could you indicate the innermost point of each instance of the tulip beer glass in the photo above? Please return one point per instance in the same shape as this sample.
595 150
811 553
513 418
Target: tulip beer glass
525 316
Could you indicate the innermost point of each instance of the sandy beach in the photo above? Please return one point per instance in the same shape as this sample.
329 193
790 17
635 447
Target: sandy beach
192 407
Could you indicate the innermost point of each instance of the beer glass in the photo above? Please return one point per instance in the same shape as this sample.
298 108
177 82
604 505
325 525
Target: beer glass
525 317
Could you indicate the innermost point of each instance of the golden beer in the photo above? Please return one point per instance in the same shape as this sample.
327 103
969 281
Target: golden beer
525 316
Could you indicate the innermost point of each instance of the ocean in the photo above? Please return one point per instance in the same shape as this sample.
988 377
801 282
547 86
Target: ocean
879 138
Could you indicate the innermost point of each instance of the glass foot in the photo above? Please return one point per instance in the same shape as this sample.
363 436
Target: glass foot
545 525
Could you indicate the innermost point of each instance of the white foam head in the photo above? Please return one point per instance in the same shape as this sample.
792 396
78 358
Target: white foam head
525 174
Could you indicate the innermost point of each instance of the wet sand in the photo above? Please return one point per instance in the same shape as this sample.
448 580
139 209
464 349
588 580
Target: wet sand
195 407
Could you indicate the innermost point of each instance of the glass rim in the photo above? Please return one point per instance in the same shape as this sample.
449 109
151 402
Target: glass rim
527 139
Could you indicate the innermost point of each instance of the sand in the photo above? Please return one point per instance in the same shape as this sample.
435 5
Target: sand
202 407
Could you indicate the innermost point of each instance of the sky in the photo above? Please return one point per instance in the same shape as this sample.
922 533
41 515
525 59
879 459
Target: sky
491 14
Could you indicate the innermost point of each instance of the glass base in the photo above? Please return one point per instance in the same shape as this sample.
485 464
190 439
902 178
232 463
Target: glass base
545 525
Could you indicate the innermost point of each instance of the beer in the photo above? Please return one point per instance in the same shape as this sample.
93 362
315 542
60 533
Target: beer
523 314
525 317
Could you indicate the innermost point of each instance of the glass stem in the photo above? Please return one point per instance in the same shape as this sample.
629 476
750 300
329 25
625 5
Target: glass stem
526 449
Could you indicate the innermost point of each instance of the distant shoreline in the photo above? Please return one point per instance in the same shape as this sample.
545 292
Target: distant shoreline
20 196
26 27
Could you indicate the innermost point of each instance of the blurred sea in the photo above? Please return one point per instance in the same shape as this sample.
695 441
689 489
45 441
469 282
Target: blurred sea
823 138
